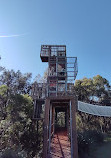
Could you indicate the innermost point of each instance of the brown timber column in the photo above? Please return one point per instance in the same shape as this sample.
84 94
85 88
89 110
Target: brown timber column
74 132
53 119
46 125
68 126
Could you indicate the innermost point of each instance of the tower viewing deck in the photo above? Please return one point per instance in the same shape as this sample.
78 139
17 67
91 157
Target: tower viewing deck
62 70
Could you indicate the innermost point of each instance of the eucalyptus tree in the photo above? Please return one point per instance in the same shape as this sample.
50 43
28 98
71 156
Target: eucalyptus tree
16 106
96 91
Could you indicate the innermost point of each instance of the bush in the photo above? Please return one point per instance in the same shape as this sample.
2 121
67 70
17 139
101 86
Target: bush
95 136
88 138
83 143
10 154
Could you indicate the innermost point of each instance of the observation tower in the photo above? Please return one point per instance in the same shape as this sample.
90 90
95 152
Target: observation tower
57 96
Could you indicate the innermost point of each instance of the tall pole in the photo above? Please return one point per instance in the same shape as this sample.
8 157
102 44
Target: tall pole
74 132
50 126
71 137
46 127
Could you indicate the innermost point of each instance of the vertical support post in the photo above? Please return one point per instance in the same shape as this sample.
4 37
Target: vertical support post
66 118
46 124
68 129
35 110
66 74
50 125
53 119
56 119
71 136
74 132
37 128
57 74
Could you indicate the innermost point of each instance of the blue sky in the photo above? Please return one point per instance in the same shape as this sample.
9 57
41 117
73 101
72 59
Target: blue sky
84 26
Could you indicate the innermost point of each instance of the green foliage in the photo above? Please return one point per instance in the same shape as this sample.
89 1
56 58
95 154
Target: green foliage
9 153
18 130
61 119
101 86
31 141
79 123
16 113
3 90
84 89
95 91
19 112
16 81
3 100
88 138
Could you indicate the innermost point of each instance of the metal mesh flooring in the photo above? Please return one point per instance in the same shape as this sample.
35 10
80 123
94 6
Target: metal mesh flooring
60 145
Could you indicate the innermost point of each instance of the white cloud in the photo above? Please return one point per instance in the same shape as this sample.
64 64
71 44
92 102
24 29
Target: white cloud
8 36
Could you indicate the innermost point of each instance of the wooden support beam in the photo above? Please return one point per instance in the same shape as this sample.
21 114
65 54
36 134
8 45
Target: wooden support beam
71 136
50 127
46 127
53 119
35 109
66 118
68 126
74 132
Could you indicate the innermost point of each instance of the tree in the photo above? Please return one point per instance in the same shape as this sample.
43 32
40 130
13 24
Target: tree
16 81
96 91
3 101
84 89
17 129
102 88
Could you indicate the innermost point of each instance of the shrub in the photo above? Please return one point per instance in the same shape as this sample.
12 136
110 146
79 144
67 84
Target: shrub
95 136
88 138
10 154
